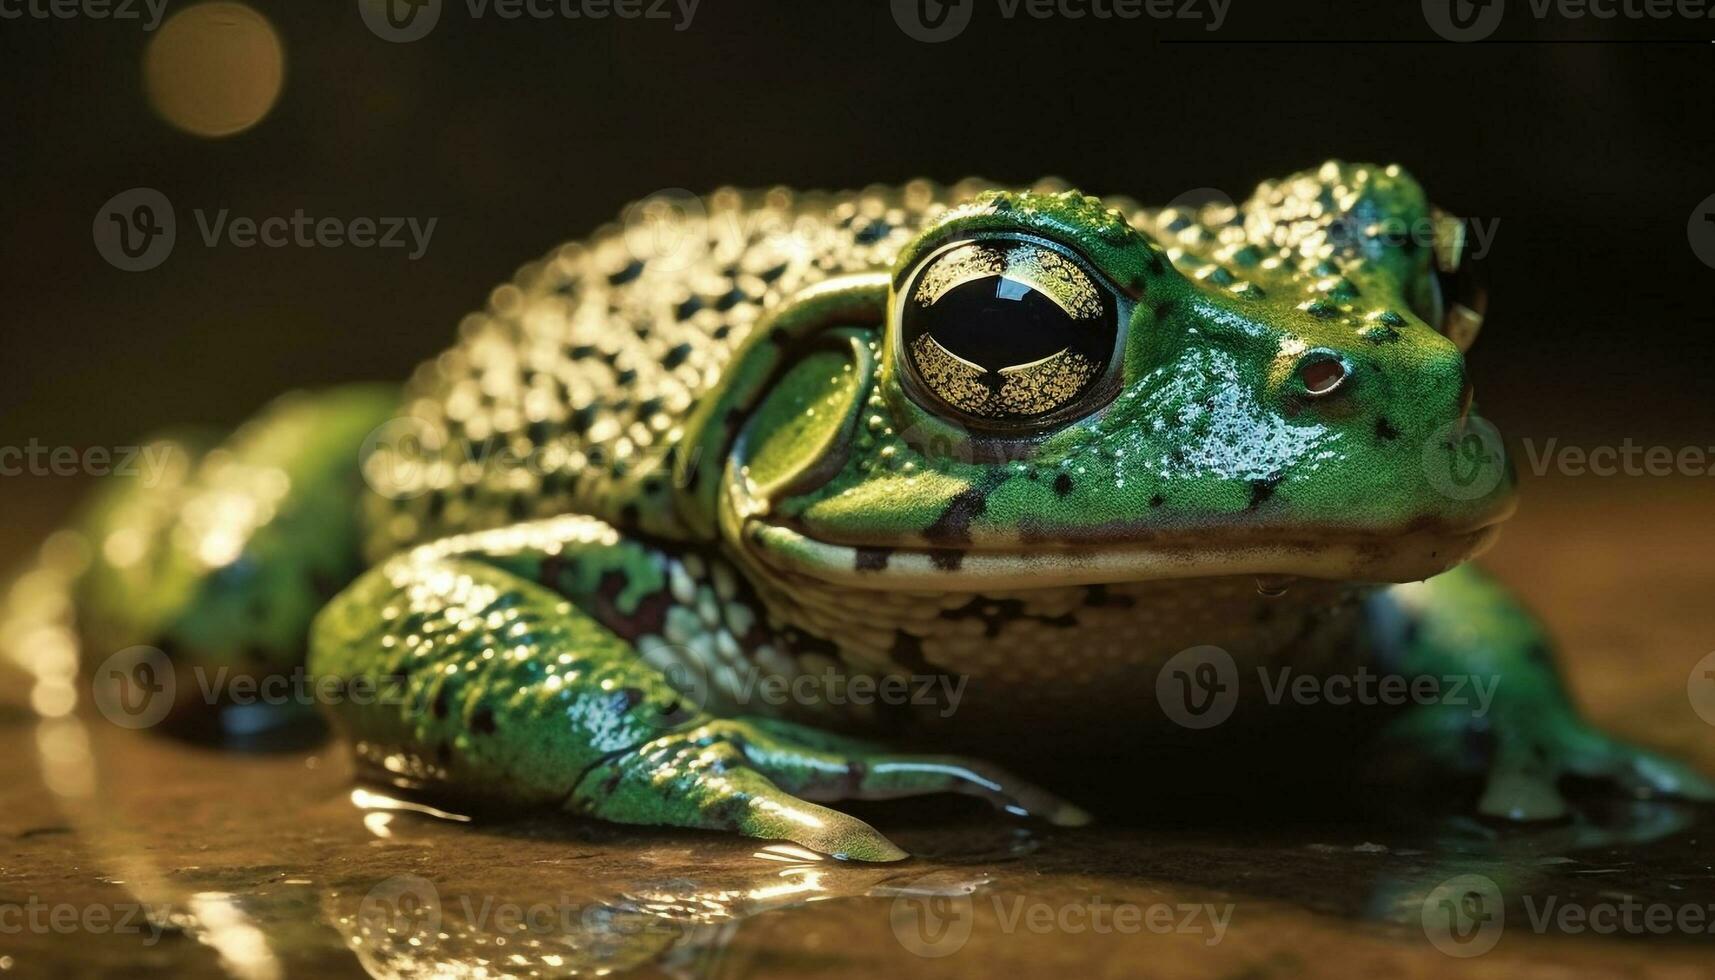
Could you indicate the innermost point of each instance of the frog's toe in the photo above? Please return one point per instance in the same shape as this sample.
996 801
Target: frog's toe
699 778
820 766
1639 770
1523 776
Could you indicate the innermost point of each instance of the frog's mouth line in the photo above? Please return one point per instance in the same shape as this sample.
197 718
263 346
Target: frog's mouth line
1334 554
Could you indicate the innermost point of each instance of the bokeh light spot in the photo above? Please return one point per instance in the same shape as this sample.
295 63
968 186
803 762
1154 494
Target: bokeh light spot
214 69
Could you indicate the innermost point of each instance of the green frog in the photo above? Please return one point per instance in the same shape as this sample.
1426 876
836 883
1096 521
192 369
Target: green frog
763 501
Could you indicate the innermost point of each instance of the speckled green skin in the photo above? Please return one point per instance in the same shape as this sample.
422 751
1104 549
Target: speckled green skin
645 470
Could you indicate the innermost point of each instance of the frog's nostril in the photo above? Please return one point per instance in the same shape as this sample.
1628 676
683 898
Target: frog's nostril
1322 374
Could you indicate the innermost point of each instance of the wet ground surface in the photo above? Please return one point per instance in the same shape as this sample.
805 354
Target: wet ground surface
129 854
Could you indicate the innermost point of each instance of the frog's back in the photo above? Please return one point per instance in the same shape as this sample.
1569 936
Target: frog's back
568 392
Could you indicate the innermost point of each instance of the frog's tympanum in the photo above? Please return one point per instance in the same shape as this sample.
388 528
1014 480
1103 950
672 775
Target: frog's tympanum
759 502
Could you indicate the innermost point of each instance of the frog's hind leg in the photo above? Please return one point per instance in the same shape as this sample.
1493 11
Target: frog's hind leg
1461 626
219 552
494 664
514 664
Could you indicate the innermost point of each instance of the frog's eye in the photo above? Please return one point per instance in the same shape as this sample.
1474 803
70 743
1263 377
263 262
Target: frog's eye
1008 333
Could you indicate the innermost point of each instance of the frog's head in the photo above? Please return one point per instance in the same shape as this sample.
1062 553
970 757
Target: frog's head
1046 391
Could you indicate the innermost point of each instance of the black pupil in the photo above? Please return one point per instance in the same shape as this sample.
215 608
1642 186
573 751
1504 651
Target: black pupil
998 322
1027 335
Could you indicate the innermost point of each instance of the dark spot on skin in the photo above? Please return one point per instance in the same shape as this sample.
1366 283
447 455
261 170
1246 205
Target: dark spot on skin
625 699
482 722
1062 485
769 275
1157 500
954 524
625 377
1385 429
873 232
677 356
907 652
1263 489
995 614
631 271
580 351
947 559
1098 597
650 617
581 419
688 308
1323 310
855 771
872 559
728 811
730 299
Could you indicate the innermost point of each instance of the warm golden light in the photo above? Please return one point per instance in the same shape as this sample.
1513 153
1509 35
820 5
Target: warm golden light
214 69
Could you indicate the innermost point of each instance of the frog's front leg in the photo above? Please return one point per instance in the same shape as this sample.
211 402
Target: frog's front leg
510 677
1463 626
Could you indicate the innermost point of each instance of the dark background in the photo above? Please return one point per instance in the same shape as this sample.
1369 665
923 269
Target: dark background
518 135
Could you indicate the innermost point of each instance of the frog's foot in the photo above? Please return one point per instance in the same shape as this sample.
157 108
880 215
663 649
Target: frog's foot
1531 757
755 777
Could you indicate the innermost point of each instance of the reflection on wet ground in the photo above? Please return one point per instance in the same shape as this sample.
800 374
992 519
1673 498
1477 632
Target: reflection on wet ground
129 854
201 862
